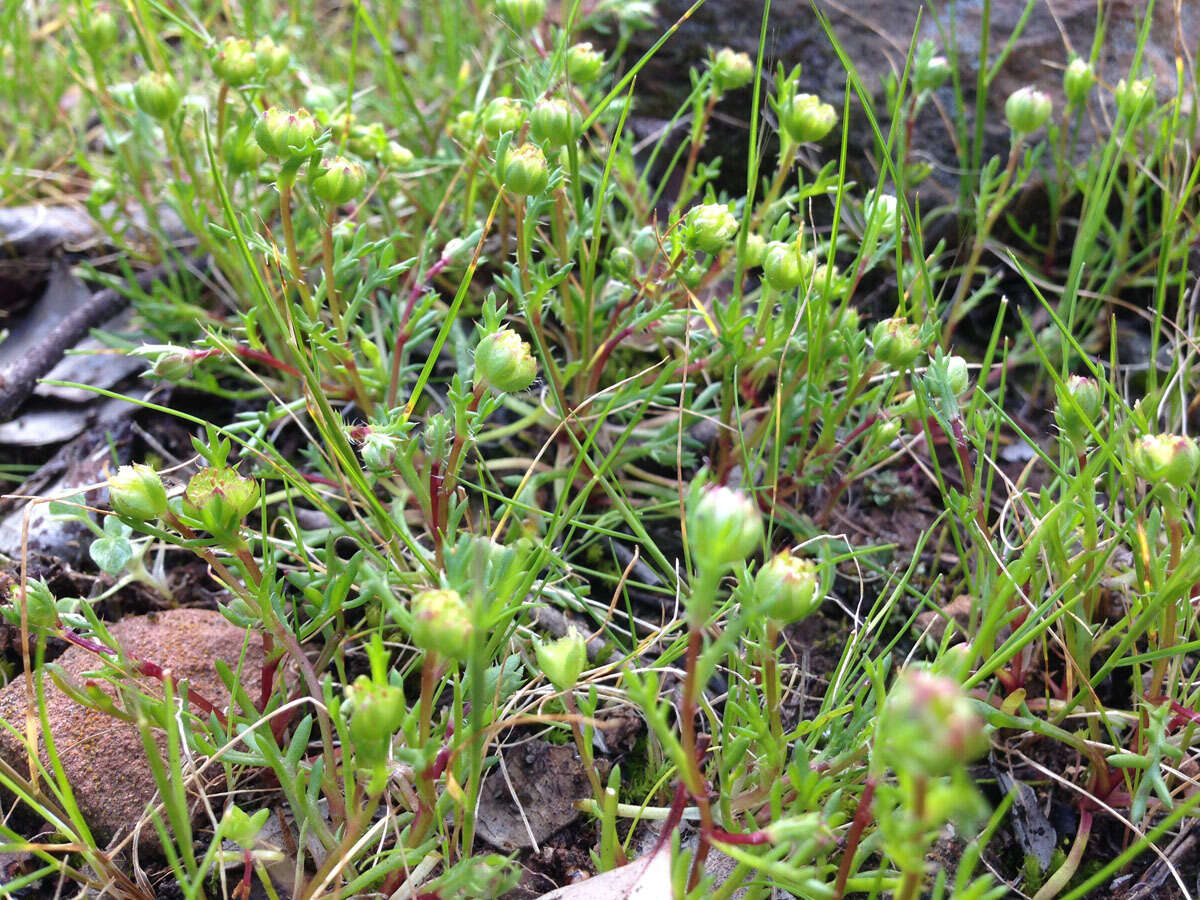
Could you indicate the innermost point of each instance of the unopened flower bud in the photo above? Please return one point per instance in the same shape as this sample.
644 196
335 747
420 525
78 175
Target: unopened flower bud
285 134
338 180
97 30
928 726
1133 97
783 267
731 70
623 263
171 363
958 378
235 62
645 244
724 527
554 122
137 492
397 155
521 15
157 94
441 623
710 227
500 115
897 342
755 251
1027 109
584 63
243 829
525 170
883 212
241 151
805 119
505 361
272 57
220 498
379 452
1077 81
377 712
41 609
930 70
786 588
1169 460
562 661
1080 404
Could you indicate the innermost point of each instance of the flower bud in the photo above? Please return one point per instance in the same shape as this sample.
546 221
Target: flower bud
500 115
243 829
805 119
731 70
220 498
525 170
1080 403
379 452
562 661
397 155
645 244
958 378
272 57
1027 109
441 623
170 363
554 122
928 726
505 362
883 212
623 263
786 588
755 251
784 268
97 30
137 492
241 151
584 63
724 527
235 62
930 70
338 180
378 711
1169 460
1133 97
521 15
285 134
710 227
1077 81
897 342
157 94
41 609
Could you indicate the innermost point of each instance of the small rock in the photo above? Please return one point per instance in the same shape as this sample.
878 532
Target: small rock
103 757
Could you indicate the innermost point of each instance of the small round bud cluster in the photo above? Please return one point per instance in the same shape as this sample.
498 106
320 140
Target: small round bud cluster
41 609
554 122
784 268
882 211
521 15
338 180
137 492
958 378
805 119
525 170
505 361
441 623
241 151
786 588
731 70
645 244
235 62
219 498
1080 404
241 828
724 527
1166 460
562 661
379 452
157 94
502 114
584 63
1133 97
284 134
710 227
755 251
1077 81
927 726
930 69
272 57
1027 109
897 342
623 263
97 30
377 712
